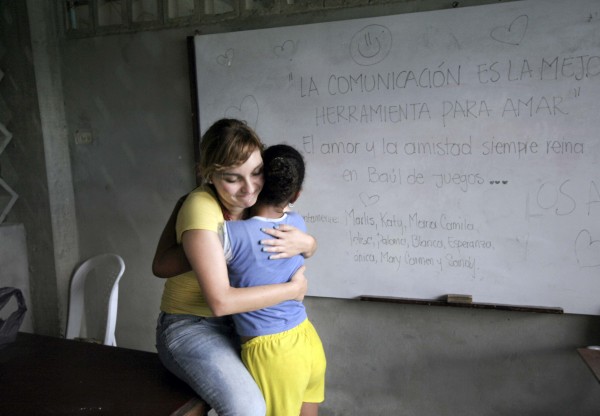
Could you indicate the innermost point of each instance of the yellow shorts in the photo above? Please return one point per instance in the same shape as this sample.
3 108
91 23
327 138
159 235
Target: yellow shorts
289 368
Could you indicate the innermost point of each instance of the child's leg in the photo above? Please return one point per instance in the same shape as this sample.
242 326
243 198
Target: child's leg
309 409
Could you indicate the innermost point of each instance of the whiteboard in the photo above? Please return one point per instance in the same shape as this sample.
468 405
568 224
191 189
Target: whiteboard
452 151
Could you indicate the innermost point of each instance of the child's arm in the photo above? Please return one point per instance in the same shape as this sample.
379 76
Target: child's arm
169 258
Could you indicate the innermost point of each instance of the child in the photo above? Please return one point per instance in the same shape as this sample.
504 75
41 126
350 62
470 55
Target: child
281 348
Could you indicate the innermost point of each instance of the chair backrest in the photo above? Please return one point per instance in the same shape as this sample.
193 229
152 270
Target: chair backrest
107 269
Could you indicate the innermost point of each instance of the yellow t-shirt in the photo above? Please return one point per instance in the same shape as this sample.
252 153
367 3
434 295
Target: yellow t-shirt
182 293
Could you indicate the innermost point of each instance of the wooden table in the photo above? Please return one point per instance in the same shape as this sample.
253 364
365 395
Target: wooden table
592 359
42 375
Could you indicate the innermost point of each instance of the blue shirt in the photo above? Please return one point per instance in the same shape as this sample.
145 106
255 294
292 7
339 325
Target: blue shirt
249 266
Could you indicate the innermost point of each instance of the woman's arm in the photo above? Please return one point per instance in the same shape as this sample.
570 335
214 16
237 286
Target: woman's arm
289 241
205 253
169 258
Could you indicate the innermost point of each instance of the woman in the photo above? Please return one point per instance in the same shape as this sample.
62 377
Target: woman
281 348
195 337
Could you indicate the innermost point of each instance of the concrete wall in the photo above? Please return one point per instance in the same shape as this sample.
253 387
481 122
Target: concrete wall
131 92
23 162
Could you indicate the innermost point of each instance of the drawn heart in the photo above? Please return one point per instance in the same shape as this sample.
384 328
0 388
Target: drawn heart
225 59
247 111
286 50
512 34
368 200
587 250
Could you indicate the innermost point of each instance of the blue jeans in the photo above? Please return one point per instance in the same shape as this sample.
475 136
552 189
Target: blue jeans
205 353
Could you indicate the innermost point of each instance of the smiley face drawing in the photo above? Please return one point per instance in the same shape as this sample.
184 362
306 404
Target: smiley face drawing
371 45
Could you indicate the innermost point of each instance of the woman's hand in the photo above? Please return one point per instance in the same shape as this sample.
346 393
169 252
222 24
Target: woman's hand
288 241
205 252
300 280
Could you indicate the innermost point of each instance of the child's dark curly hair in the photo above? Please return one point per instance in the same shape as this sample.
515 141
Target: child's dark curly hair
284 174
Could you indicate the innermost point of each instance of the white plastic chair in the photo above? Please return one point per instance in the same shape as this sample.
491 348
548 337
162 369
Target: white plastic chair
107 270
